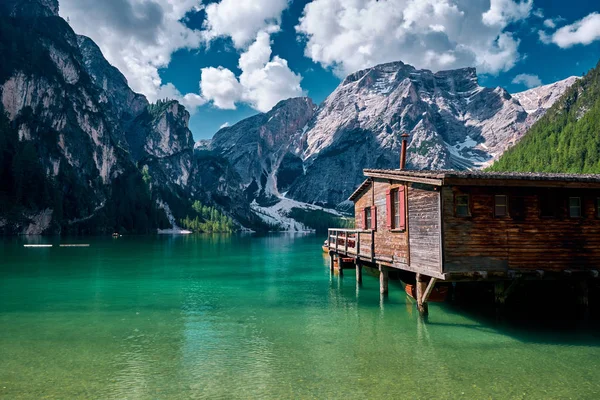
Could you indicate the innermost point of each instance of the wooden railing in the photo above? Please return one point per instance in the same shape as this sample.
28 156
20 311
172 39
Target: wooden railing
348 241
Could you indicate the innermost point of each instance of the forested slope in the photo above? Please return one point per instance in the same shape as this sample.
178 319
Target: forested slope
566 139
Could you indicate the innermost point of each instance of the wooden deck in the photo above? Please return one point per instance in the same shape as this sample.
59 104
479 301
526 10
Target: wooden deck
352 243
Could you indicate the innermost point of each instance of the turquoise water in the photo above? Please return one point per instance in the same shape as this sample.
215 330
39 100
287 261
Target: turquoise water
228 317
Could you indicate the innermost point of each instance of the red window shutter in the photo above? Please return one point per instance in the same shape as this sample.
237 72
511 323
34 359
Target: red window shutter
374 218
402 202
364 218
389 209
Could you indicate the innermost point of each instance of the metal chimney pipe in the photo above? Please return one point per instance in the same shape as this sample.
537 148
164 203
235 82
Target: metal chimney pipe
403 151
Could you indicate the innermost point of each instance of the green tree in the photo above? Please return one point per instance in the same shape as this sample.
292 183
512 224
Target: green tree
566 139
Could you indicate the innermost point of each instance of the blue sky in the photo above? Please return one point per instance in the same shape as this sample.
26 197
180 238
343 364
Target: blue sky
229 59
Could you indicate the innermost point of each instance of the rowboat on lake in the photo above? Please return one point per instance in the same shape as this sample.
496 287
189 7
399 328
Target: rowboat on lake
438 294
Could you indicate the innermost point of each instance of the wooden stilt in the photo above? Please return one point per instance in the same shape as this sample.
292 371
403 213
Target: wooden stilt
358 271
331 261
383 279
583 298
511 288
429 289
421 288
499 291
499 299
340 266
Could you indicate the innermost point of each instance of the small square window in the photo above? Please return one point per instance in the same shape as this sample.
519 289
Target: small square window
500 206
462 205
574 207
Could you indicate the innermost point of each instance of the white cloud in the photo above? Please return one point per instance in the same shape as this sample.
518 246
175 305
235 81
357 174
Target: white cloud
502 55
584 31
241 20
436 34
552 23
503 12
264 81
138 37
529 80
544 37
549 23
220 86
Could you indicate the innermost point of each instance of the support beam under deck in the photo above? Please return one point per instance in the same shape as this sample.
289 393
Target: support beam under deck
383 279
425 286
358 270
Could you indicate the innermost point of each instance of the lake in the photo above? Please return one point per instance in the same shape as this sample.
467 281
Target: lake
241 317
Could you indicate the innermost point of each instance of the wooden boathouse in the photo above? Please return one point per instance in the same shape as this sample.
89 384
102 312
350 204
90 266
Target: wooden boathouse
451 226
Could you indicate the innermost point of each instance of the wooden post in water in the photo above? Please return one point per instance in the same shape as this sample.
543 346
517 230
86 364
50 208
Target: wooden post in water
421 287
331 261
383 279
499 289
358 271
583 297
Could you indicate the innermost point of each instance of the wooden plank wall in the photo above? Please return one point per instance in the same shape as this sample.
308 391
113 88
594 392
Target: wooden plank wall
390 245
483 242
424 228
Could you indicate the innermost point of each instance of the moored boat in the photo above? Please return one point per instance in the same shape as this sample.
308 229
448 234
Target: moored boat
438 294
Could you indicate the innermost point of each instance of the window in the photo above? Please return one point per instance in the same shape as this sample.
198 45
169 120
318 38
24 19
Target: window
368 219
462 205
575 207
500 206
547 205
396 209
517 207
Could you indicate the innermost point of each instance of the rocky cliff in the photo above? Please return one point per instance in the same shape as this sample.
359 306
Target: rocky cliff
29 8
80 151
265 149
537 101
453 122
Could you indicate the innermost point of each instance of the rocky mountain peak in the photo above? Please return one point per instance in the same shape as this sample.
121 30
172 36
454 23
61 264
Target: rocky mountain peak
541 98
453 122
264 149
317 156
51 5
29 8
457 81
103 158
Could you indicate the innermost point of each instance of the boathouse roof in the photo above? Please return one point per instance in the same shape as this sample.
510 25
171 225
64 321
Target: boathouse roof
480 178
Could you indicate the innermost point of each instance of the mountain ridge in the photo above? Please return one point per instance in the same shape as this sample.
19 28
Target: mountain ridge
454 123
566 138
104 158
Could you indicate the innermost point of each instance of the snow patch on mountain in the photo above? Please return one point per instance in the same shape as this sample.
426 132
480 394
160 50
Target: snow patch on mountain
278 214
543 97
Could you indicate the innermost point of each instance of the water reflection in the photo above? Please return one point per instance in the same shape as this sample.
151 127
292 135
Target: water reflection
227 316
